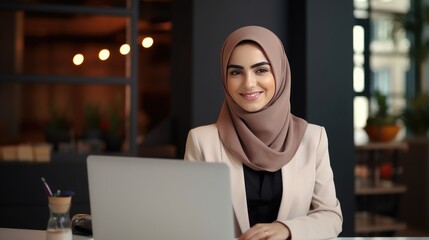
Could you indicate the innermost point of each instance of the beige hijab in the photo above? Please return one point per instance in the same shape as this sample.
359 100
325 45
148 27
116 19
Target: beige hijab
267 139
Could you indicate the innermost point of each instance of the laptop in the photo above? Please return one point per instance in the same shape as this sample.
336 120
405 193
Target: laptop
153 198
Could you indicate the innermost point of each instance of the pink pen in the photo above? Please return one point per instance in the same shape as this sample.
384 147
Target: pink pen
47 189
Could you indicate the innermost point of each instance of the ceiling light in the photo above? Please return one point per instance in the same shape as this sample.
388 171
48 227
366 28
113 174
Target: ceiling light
78 59
104 54
125 49
147 42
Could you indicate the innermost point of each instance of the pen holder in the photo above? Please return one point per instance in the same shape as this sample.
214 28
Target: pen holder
59 226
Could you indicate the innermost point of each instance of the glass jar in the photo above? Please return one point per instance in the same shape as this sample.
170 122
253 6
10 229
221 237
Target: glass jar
59 226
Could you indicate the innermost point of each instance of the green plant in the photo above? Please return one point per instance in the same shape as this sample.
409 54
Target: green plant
416 115
113 120
58 130
382 117
58 119
92 116
112 125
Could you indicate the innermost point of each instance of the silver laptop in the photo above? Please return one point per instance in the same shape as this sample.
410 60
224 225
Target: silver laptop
151 198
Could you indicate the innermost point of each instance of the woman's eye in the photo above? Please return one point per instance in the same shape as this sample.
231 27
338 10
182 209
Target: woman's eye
234 72
261 70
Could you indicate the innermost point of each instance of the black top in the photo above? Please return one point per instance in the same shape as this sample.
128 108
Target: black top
264 194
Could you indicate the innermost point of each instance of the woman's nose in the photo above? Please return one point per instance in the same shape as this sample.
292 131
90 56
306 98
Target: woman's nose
250 81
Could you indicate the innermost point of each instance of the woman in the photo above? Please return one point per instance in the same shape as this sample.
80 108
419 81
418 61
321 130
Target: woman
281 181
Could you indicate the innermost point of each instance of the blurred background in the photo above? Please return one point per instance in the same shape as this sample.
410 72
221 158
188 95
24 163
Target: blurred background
131 77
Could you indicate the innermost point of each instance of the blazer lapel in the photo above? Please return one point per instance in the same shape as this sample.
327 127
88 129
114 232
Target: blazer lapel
288 180
238 193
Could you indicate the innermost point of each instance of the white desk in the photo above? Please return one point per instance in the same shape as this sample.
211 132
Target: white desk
26 234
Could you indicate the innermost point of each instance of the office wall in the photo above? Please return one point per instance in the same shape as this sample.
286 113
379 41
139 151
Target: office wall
317 36
329 90
319 45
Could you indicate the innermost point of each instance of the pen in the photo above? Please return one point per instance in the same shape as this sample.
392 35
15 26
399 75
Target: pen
47 189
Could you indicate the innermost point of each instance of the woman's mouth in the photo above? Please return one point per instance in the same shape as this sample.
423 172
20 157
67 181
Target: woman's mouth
251 95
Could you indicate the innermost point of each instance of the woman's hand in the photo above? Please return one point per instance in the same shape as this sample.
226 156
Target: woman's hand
266 231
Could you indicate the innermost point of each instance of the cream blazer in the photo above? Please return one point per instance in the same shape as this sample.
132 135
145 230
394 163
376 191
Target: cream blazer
309 205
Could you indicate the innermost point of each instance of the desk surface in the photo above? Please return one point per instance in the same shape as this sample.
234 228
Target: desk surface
26 234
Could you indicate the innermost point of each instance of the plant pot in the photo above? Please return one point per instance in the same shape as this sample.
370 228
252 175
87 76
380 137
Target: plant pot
382 133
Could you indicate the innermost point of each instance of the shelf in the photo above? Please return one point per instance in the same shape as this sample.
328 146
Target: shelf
62 8
65 79
395 189
383 146
129 10
370 183
366 222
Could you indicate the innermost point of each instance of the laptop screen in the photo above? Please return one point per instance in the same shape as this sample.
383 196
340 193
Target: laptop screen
152 198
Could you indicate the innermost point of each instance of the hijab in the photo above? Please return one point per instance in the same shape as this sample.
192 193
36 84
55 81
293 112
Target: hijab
269 138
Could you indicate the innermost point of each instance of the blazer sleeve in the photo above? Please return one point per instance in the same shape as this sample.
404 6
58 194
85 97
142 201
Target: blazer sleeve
324 219
193 150
203 144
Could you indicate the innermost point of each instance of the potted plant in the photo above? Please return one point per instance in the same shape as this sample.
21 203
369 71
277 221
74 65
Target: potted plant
58 129
382 126
112 126
416 115
92 122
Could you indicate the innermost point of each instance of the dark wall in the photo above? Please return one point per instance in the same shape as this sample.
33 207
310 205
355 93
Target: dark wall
181 72
319 47
318 39
329 90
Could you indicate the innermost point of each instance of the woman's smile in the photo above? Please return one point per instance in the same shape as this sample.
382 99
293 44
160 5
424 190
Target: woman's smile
251 96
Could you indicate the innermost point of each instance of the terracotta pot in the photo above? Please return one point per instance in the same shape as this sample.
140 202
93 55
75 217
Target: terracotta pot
382 133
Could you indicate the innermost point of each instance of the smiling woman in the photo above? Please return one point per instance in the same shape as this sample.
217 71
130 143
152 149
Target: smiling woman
266 147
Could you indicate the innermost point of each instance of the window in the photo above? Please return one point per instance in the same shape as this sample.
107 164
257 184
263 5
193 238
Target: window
381 59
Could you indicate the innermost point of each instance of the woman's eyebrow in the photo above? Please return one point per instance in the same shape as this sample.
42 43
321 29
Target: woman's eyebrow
252 66
260 64
234 66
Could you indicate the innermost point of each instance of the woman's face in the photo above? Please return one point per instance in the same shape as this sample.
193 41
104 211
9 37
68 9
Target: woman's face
250 81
